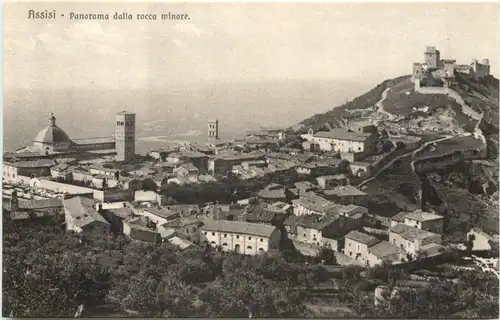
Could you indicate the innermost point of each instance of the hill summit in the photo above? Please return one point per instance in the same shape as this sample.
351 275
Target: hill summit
396 105
439 99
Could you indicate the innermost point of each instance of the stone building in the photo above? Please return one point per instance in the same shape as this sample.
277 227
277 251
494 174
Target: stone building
241 237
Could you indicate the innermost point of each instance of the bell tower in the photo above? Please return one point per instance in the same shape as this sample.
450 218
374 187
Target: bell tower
125 136
213 129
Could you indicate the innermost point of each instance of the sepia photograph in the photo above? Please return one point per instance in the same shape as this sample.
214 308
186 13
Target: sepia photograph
250 160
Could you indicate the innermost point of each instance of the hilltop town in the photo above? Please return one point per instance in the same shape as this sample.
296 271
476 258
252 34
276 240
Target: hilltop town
373 186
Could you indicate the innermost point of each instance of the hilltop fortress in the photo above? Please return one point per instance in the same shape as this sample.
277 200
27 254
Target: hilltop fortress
437 72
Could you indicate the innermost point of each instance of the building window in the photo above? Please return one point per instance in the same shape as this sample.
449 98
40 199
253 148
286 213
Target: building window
261 240
213 233
237 237
205 233
249 238
349 244
194 229
225 235
249 247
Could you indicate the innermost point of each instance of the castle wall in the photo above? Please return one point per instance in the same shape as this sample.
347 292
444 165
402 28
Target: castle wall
452 94
480 70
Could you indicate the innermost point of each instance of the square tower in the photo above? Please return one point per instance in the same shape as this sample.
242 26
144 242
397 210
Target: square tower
213 129
125 136
432 57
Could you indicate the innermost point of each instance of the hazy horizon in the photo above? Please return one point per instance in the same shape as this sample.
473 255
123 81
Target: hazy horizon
248 64
181 114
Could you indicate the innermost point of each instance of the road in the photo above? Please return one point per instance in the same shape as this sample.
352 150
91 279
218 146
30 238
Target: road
403 156
380 105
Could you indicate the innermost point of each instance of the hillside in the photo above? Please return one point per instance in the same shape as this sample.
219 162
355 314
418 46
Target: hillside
465 192
404 110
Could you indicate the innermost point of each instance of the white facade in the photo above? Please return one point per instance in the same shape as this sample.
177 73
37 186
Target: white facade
309 235
342 141
356 250
412 246
241 242
10 173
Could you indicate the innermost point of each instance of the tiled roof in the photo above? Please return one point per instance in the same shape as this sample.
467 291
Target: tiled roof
352 207
40 204
362 238
420 215
255 229
162 213
316 221
188 166
411 233
332 162
384 249
140 222
124 213
400 217
184 209
41 163
342 134
304 185
180 242
82 209
432 249
181 222
316 203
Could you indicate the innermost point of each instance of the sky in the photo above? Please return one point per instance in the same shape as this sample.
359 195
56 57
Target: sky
238 42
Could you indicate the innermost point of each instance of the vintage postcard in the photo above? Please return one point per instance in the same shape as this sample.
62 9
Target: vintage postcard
250 160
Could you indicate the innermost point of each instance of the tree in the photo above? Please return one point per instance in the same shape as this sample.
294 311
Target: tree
351 274
326 254
148 184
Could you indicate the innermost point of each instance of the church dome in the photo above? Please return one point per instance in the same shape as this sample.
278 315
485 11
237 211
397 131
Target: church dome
52 134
